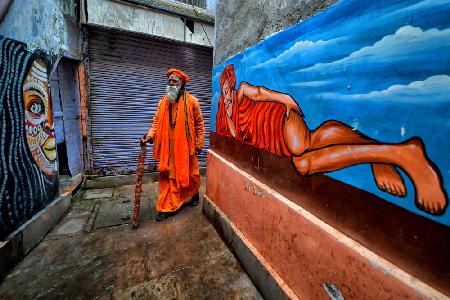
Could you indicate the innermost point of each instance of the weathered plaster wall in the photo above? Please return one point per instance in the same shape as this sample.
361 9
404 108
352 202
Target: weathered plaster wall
211 5
241 24
50 25
135 18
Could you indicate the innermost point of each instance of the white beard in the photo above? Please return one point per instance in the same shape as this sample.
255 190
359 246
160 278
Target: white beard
172 93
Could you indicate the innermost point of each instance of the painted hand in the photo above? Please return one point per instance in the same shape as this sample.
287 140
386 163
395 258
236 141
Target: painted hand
292 106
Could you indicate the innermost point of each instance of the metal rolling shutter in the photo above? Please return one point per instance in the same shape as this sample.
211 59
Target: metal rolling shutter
127 80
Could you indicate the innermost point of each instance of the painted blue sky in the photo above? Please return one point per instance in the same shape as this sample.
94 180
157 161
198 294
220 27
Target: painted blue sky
382 67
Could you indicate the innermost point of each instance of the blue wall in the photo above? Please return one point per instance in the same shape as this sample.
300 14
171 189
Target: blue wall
382 67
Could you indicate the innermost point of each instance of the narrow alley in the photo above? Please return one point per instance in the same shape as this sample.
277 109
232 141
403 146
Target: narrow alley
94 254
286 149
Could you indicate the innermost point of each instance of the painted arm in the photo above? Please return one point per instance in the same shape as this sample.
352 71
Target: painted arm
260 93
231 126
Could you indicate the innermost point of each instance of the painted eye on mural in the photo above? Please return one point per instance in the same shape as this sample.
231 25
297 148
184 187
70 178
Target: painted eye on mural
36 107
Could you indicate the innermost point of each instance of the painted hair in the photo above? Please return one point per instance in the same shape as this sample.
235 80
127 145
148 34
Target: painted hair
228 73
24 188
221 122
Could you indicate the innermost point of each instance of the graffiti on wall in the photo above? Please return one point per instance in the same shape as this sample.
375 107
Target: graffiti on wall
28 169
370 110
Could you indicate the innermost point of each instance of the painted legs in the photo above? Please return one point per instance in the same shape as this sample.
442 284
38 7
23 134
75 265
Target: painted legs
334 146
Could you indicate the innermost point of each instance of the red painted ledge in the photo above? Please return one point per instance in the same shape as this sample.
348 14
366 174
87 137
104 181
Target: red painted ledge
309 255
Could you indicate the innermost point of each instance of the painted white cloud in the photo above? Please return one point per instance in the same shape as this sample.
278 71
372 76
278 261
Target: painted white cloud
311 83
406 41
296 50
216 76
434 89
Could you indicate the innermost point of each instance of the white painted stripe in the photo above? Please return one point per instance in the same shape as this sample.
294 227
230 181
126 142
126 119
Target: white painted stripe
37 76
39 67
374 259
40 73
31 84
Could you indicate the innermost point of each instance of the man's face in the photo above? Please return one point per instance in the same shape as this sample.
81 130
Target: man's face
227 98
173 88
38 118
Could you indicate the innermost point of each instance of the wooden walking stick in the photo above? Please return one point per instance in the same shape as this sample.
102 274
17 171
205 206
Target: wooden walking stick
138 188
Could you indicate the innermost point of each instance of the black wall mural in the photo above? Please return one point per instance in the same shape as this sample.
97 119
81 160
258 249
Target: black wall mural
28 164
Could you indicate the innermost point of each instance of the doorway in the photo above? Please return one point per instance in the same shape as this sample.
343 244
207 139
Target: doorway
66 115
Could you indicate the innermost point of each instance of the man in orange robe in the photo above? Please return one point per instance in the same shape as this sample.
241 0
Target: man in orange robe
178 134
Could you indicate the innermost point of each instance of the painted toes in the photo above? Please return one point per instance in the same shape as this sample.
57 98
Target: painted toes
402 191
438 208
381 186
397 190
425 206
419 204
392 189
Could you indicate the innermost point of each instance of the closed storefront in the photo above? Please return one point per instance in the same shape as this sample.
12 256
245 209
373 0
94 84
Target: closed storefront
127 79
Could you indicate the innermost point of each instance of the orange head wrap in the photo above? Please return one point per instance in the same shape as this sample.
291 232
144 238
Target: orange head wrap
228 73
178 73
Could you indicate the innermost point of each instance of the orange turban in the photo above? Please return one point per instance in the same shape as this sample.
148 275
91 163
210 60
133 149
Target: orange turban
228 73
178 73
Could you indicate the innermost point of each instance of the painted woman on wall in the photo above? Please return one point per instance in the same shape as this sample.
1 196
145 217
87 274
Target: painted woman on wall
273 121
28 165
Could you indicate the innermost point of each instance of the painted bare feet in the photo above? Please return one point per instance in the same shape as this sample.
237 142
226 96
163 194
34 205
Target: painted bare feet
389 180
430 194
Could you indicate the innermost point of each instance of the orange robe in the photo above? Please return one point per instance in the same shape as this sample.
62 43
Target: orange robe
256 123
179 177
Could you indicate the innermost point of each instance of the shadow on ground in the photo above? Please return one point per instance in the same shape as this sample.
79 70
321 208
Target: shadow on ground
94 254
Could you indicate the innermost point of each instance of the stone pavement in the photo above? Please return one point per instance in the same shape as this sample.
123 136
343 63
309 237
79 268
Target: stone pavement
94 254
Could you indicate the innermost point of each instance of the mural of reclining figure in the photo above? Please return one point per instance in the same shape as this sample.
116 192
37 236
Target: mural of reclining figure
273 121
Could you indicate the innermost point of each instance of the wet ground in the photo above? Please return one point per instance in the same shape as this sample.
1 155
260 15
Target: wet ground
94 254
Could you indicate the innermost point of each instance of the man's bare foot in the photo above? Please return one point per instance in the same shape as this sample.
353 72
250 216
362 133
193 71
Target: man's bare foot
389 180
430 194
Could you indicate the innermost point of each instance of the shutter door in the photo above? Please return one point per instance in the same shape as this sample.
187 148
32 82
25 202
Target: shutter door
127 80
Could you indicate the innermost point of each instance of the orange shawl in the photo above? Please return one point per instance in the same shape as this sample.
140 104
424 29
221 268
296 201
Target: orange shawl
257 123
184 138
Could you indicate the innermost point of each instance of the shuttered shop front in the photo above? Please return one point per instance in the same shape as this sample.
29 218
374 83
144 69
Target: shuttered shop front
127 80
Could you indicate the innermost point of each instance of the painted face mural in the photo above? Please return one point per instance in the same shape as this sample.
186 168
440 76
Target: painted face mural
38 118
27 143
227 99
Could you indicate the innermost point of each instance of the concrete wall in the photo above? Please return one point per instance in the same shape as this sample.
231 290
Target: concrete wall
140 19
305 256
241 24
50 25
211 5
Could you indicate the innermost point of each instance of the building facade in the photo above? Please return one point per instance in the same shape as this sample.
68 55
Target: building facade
80 82
129 47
